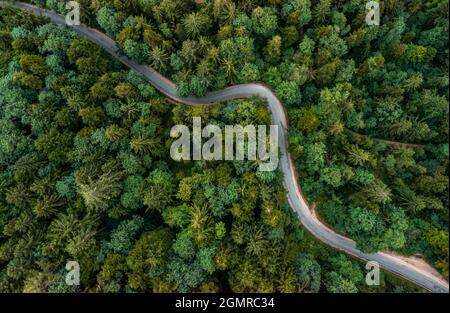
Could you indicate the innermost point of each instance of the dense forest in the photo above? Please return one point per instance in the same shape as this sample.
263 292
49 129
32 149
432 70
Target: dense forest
84 149
346 84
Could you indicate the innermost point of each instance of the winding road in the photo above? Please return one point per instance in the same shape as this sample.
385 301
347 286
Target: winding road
419 275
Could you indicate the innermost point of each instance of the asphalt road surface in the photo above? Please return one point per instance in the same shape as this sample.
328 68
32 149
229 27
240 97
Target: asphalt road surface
417 275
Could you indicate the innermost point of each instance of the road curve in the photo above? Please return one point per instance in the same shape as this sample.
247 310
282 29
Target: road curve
419 276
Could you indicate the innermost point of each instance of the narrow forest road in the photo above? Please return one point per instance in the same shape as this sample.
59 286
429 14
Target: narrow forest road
397 265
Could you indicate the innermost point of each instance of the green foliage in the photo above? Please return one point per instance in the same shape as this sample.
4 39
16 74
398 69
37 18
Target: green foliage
106 19
136 50
98 191
85 172
264 21
272 52
297 12
147 257
308 273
